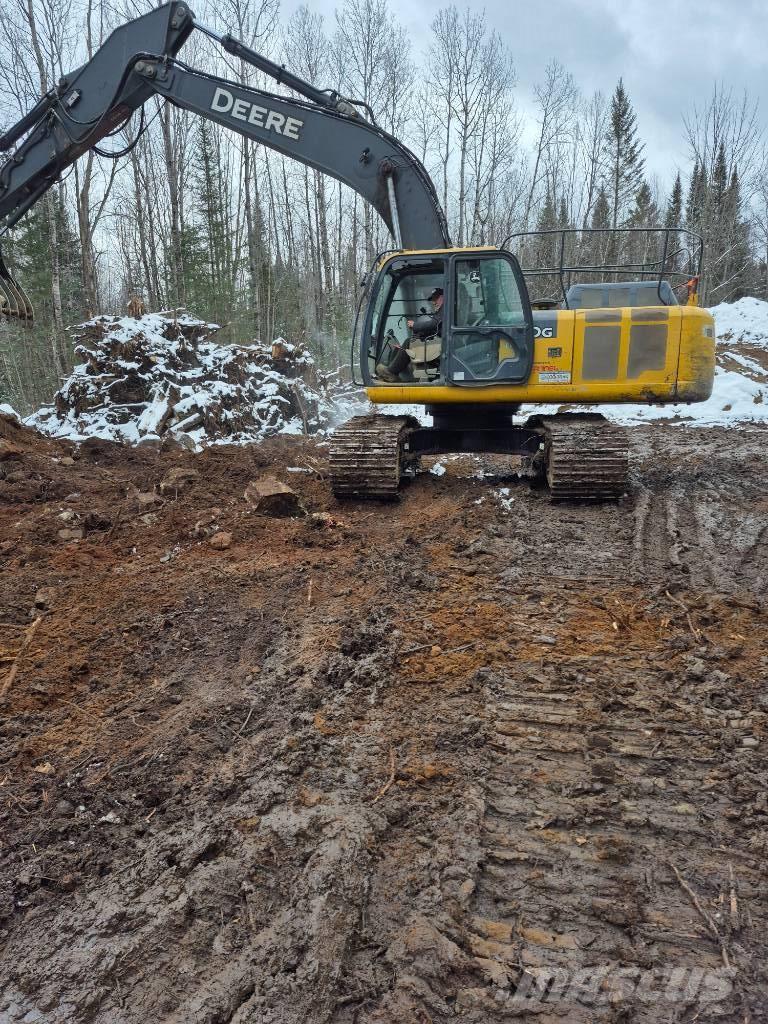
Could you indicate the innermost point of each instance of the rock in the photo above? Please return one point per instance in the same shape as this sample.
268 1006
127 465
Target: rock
221 541
184 440
750 741
697 669
66 460
70 534
177 479
434 651
718 678
152 441
146 499
269 497
206 525
45 597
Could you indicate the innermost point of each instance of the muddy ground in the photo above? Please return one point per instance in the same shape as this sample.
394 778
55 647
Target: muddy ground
471 756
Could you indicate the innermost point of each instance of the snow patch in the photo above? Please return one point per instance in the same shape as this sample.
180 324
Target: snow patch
8 410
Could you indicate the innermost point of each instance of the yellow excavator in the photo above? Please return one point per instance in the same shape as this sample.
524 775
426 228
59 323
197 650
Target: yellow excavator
451 329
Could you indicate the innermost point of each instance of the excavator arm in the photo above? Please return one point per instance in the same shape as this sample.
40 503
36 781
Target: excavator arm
138 60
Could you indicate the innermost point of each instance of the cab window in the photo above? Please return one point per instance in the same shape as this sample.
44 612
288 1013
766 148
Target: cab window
492 338
487 293
402 296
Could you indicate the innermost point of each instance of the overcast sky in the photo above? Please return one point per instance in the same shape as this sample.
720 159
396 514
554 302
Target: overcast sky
669 52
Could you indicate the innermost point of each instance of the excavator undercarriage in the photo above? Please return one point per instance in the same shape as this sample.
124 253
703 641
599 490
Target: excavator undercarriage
581 457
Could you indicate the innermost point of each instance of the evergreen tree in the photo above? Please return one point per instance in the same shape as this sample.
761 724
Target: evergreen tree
625 150
719 185
547 248
211 240
601 215
598 247
696 200
735 275
642 248
645 213
673 218
674 215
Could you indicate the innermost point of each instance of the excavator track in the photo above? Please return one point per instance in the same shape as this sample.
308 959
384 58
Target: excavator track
367 457
587 458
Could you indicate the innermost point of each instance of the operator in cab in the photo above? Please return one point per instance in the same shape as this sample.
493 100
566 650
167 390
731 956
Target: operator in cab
422 350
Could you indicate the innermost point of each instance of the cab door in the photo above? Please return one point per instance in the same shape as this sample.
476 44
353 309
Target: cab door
491 333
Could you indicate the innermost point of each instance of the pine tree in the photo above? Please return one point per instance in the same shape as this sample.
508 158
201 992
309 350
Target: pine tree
735 242
547 248
674 215
645 213
696 200
625 155
595 248
601 215
211 239
641 248
719 184
673 218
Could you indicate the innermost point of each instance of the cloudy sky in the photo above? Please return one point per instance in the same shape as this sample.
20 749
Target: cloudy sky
669 52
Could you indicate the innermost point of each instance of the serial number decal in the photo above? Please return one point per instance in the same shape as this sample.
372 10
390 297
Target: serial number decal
554 377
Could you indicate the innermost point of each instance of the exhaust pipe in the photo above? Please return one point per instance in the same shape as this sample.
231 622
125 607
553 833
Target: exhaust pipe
14 302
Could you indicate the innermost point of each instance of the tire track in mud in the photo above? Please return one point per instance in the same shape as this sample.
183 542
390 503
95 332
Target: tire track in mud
697 517
655 547
577 910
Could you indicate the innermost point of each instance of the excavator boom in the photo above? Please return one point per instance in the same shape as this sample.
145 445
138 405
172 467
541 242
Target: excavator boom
138 60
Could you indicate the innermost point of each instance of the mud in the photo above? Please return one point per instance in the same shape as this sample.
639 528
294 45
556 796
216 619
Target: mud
470 756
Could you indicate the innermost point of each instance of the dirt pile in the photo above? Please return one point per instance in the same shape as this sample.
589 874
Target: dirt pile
163 374
470 756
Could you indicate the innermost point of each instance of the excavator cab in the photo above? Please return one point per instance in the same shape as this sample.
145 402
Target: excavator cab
481 331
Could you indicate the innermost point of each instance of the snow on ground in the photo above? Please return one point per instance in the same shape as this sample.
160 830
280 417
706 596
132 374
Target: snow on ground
8 410
745 320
